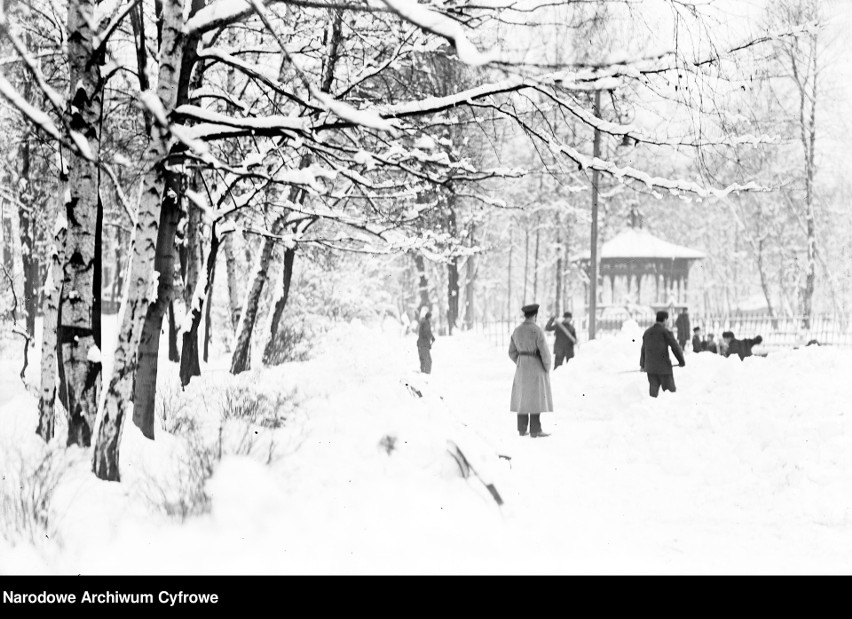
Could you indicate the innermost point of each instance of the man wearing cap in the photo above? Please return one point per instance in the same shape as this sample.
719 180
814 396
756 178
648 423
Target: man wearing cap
697 343
424 343
654 358
531 394
566 337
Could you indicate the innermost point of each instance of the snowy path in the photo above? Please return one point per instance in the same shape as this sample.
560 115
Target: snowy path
746 469
710 479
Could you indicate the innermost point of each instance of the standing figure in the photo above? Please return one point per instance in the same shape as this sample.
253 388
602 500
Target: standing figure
531 394
741 348
697 343
654 358
682 326
424 343
566 338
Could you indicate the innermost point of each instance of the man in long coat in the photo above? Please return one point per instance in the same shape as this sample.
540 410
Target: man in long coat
682 326
566 337
654 358
531 393
424 343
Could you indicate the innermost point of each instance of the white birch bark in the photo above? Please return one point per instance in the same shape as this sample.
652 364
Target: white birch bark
142 279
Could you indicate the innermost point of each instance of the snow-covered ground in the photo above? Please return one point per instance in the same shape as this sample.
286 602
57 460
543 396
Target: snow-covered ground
746 469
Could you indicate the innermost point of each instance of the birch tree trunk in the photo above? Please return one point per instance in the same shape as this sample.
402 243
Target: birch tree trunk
142 277
79 363
145 390
52 291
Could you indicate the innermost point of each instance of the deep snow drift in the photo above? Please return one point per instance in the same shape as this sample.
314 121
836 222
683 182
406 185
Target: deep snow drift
746 469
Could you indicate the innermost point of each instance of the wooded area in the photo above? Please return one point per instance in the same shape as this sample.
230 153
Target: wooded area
231 171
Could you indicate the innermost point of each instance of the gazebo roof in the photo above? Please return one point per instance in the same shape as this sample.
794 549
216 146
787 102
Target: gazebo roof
639 243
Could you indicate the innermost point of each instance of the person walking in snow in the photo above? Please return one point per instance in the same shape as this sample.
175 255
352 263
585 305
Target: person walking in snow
682 326
424 343
566 338
531 393
654 358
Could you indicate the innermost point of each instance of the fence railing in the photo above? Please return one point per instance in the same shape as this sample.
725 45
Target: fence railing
779 332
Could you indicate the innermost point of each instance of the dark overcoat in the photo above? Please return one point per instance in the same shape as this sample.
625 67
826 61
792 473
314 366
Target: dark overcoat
531 388
563 345
682 326
742 348
656 342
424 334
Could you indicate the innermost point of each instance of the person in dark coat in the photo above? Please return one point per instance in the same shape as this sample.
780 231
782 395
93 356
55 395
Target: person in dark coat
682 326
698 344
531 393
566 338
711 345
741 348
654 359
424 343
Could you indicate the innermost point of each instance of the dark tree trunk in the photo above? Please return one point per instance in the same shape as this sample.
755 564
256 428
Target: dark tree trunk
452 293
208 325
29 259
422 282
145 388
174 354
271 351
189 362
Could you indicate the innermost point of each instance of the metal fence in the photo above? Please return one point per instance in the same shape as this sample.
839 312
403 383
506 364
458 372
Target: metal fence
779 332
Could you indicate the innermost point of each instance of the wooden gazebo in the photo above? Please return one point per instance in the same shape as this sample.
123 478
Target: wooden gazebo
638 268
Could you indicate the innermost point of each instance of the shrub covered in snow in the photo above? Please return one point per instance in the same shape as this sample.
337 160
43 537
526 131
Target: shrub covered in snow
27 488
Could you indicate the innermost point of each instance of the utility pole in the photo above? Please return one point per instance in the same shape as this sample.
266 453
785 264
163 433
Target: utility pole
593 266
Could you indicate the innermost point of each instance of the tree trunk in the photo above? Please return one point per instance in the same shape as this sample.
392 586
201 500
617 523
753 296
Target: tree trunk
174 353
535 259
189 362
271 352
241 358
452 293
558 306
183 56
470 287
29 259
142 275
422 283
509 276
145 389
208 325
233 286
78 368
52 291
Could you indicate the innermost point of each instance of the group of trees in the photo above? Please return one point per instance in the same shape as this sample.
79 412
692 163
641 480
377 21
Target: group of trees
148 138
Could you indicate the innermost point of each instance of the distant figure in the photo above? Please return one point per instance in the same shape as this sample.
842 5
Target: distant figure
711 345
698 344
654 358
566 338
424 343
682 326
742 348
531 394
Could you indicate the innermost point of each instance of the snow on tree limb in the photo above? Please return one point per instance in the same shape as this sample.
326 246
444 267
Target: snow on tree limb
35 116
443 26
